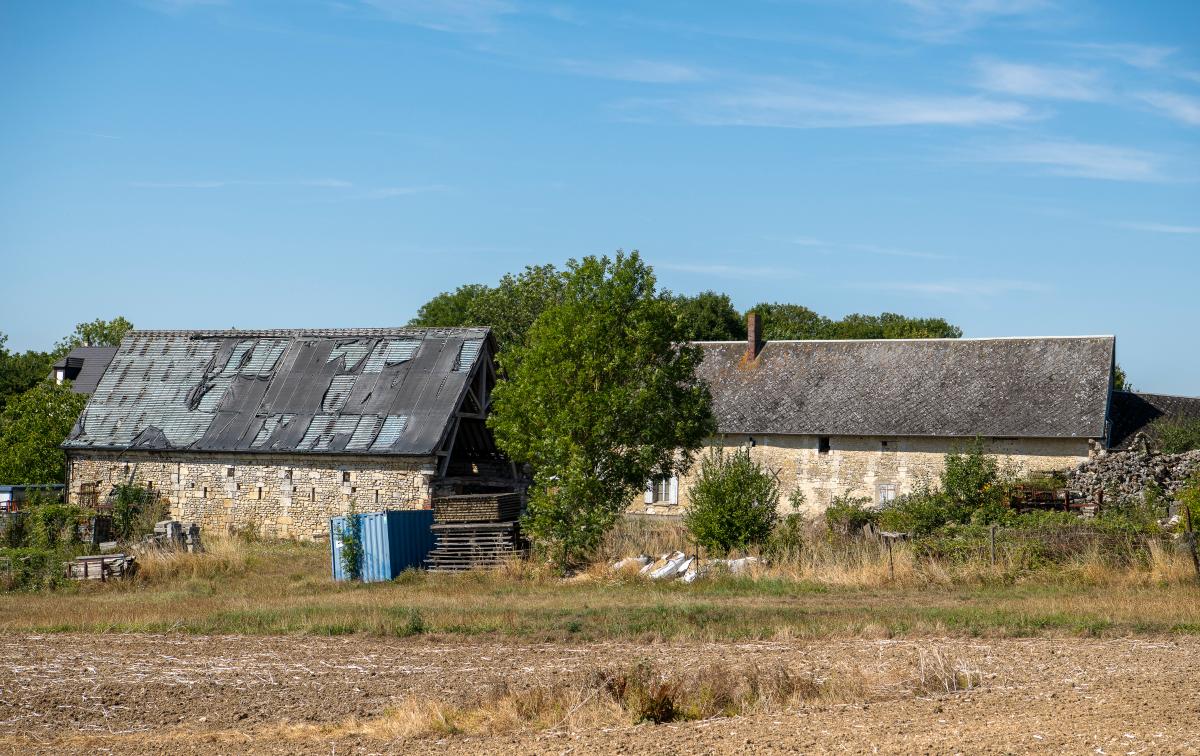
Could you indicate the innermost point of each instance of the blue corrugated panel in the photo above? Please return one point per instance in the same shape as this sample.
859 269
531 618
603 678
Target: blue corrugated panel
392 542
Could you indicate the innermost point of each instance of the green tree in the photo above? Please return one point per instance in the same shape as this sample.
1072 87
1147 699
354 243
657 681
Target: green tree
734 503
20 371
32 427
788 321
450 309
889 325
709 316
601 397
99 332
1120 379
512 306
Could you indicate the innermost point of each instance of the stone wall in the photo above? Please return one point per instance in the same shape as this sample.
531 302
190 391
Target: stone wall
280 495
1127 474
860 465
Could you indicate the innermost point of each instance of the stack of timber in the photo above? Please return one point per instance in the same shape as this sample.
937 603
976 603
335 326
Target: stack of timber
104 567
475 531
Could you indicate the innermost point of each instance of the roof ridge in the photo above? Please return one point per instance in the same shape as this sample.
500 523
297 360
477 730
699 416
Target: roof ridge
879 341
316 332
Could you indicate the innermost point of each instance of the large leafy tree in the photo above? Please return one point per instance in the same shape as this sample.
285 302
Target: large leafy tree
512 306
709 316
789 321
32 427
509 308
449 309
601 397
20 371
98 332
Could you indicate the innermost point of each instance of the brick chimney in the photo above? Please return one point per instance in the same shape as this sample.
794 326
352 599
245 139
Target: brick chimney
754 340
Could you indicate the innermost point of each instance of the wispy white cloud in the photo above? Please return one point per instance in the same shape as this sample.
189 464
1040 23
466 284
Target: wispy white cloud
871 249
1081 160
979 287
945 19
797 106
176 6
457 16
386 192
727 271
325 183
643 71
1160 228
1027 80
1138 56
1181 107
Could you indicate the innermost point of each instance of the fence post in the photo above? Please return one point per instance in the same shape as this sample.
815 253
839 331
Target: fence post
891 564
992 543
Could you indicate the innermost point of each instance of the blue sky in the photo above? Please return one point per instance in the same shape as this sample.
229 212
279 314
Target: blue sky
1020 167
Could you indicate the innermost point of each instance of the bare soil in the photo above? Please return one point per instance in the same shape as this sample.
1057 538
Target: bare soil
90 693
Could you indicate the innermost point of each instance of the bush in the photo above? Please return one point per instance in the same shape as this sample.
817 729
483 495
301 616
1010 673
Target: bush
1175 435
734 502
848 515
30 568
135 511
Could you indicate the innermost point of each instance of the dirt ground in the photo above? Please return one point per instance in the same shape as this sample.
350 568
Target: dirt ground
190 694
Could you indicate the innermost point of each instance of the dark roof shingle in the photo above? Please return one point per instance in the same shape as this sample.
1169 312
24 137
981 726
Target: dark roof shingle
1017 387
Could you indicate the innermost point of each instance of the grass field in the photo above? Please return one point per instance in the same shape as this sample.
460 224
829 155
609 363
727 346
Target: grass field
284 588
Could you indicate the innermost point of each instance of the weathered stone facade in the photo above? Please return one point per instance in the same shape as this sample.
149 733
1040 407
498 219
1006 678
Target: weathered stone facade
866 466
287 496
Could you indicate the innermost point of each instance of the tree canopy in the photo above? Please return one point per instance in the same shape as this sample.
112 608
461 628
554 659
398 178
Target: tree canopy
32 427
98 332
20 371
789 321
709 316
601 397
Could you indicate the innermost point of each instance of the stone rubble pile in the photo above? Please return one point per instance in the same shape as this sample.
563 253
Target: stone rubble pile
1126 474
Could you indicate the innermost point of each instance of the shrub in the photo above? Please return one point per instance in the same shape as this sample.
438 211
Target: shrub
29 568
1175 435
734 502
1189 497
135 511
51 525
848 515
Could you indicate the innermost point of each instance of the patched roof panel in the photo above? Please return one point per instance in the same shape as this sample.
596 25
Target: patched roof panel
370 391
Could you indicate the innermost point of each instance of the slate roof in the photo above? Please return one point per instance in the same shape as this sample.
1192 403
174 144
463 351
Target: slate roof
1023 387
354 391
84 365
1134 411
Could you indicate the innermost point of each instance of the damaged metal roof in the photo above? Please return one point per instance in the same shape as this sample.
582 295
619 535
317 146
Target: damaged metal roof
1023 387
361 391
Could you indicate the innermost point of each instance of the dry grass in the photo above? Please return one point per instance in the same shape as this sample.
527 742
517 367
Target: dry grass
223 556
645 693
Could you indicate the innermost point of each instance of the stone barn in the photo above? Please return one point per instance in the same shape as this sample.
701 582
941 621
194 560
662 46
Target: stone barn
279 430
875 418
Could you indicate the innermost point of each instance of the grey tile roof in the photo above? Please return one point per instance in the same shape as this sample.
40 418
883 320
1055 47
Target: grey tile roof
1134 411
84 365
1024 387
355 391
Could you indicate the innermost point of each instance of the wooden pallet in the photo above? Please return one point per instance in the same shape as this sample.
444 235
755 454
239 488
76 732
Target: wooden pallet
475 545
487 507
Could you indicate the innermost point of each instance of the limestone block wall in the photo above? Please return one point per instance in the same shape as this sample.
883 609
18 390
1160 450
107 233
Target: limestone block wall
289 496
860 465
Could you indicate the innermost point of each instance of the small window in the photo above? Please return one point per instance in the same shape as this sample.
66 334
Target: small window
883 443
204 494
376 495
885 493
312 494
260 493
287 474
823 445
345 476
228 472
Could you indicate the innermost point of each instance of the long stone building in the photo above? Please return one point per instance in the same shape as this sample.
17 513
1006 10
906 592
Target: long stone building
279 430
874 418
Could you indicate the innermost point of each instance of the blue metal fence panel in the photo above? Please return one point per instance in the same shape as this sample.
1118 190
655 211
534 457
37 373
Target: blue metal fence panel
411 534
391 543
